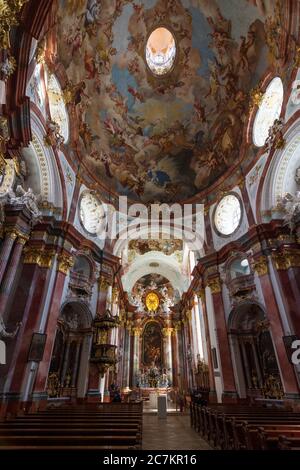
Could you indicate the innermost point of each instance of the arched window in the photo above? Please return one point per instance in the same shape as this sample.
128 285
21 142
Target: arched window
57 106
269 110
228 215
239 267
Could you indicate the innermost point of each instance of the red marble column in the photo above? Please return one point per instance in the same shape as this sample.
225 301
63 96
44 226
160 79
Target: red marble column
291 292
273 314
64 263
212 387
131 362
8 280
6 251
175 358
33 283
229 392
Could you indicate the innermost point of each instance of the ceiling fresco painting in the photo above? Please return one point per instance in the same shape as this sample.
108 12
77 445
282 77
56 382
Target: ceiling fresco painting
162 137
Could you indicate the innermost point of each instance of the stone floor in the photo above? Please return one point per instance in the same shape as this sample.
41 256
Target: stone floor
173 433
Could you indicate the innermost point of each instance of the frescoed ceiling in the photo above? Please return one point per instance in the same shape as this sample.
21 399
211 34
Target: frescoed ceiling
168 137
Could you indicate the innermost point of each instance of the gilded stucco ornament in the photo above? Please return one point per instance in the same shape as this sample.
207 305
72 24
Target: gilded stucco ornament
9 17
256 97
104 283
64 263
261 266
215 285
39 256
167 332
286 260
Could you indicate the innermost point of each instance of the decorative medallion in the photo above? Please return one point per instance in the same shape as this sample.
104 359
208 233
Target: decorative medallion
152 301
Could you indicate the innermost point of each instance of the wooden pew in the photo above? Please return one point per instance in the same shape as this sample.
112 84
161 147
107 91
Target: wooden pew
80 428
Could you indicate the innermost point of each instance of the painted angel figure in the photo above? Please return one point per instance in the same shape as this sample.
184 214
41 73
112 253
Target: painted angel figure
6 334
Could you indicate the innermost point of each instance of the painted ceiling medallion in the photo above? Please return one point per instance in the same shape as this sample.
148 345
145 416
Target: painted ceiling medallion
160 51
152 301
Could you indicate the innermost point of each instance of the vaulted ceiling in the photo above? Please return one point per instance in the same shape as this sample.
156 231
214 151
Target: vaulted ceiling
161 137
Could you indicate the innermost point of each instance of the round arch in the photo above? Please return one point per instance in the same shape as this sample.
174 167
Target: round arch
44 176
280 174
166 266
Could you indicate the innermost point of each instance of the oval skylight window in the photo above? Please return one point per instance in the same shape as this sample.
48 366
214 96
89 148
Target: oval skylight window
228 215
160 51
269 110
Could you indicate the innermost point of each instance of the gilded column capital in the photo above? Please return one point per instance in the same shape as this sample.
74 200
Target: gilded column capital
215 285
22 239
167 332
11 233
137 330
261 266
32 255
201 294
281 260
14 234
188 314
104 284
65 263
46 259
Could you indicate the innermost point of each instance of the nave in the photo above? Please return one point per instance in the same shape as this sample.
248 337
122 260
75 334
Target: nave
149 225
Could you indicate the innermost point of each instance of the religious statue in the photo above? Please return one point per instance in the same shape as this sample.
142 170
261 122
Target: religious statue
275 135
291 207
53 385
297 175
28 198
295 95
73 321
68 379
6 334
53 136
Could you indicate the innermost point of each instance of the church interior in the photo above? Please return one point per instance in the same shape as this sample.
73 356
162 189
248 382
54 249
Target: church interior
149 224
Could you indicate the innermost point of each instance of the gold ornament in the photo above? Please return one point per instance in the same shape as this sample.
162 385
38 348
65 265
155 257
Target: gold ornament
167 332
214 285
152 301
261 266
9 17
65 263
104 283
256 97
